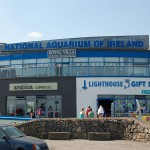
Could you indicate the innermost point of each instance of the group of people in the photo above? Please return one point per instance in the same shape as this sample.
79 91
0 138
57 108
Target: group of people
88 113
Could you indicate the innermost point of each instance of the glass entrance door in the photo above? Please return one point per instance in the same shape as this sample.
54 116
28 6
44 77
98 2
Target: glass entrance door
20 107
31 108
54 106
11 106
41 105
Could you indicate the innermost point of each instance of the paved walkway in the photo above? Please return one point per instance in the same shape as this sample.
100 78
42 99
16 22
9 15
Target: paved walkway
96 145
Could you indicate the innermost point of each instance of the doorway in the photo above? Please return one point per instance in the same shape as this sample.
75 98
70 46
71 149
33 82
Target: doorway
54 106
107 105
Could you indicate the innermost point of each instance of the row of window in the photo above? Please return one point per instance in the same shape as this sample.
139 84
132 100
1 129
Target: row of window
97 66
100 60
75 71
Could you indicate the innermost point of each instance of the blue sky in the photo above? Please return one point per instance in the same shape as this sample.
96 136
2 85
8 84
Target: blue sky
35 20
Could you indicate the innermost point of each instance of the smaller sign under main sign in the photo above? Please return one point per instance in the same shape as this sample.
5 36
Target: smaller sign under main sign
62 53
32 86
145 91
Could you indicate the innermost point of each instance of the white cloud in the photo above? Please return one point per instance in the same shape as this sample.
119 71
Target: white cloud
34 34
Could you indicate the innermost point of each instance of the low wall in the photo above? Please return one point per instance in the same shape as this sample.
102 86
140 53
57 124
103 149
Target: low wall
119 128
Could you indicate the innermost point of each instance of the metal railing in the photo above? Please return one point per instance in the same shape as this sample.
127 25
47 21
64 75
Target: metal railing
74 71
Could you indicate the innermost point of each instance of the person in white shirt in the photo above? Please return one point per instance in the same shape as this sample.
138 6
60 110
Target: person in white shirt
100 111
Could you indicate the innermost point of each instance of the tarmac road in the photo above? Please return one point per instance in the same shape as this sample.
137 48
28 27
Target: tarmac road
76 144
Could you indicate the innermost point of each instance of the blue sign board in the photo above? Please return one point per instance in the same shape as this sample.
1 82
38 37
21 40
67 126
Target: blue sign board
112 42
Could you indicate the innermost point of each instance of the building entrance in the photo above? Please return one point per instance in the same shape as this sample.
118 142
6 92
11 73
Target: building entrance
107 105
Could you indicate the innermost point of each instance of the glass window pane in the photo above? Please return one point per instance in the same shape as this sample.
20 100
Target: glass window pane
65 59
52 71
91 71
42 71
29 72
148 106
28 61
58 60
119 107
96 59
43 65
121 59
11 106
18 72
4 63
65 70
20 108
111 59
126 59
99 71
141 60
16 62
110 71
141 71
130 105
78 59
76 71
18 66
45 60
96 64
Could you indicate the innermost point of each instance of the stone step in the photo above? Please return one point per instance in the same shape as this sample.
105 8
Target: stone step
100 136
59 135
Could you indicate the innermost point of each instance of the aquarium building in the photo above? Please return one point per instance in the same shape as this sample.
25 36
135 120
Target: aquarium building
61 76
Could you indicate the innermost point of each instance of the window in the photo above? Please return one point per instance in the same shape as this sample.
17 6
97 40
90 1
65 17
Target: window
111 59
140 61
4 63
148 105
96 59
29 61
65 60
45 60
16 62
11 106
141 71
59 60
127 60
20 107
78 59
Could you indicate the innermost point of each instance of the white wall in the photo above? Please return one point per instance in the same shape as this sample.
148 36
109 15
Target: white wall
128 86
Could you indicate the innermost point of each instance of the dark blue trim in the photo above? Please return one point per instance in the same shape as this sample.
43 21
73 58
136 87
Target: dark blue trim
80 53
145 54
5 57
